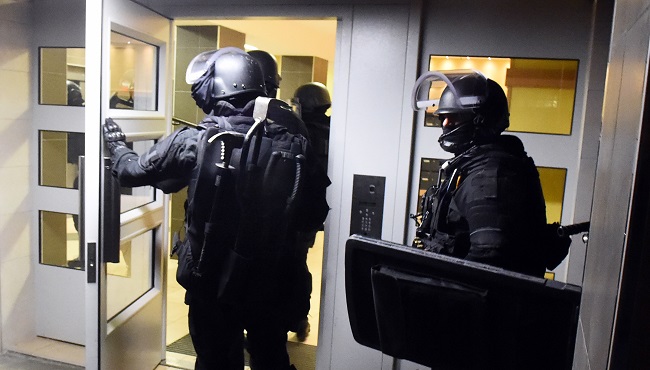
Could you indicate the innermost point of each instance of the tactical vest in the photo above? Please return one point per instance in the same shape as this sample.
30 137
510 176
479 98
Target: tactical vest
241 203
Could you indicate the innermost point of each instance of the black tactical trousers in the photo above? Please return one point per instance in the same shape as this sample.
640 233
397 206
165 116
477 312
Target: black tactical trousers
217 334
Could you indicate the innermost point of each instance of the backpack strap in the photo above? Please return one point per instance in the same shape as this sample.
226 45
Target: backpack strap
215 146
261 109
249 167
224 142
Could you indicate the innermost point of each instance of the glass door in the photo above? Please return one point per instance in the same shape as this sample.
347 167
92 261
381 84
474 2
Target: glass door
124 239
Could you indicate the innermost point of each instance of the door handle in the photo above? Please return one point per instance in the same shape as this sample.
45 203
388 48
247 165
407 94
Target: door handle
91 263
110 216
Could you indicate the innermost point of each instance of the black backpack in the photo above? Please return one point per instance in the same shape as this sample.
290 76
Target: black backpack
243 209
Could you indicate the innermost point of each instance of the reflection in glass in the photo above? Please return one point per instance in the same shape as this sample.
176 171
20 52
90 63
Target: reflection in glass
132 276
60 240
62 76
132 198
541 92
429 173
134 72
59 158
553 181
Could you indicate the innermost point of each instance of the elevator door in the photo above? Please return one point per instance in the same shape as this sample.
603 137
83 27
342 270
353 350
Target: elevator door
127 59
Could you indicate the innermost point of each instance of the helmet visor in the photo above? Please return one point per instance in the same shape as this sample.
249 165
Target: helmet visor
200 63
198 66
429 87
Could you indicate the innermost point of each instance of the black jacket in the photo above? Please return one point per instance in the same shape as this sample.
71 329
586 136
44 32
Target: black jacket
171 164
318 125
489 208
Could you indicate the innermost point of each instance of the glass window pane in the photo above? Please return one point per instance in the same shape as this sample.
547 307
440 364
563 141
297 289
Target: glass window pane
132 276
60 240
541 92
132 198
59 158
134 74
62 76
429 173
542 95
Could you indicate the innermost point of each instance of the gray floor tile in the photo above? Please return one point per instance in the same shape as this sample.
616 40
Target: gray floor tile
16 361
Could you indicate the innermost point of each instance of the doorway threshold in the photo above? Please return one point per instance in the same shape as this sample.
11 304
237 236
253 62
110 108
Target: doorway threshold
53 350
181 361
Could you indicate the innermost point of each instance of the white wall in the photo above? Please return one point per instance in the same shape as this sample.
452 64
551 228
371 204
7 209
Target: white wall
371 135
19 157
16 289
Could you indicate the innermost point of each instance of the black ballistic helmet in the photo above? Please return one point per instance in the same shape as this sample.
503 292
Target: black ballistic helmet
312 97
490 107
480 121
228 74
270 70
480 106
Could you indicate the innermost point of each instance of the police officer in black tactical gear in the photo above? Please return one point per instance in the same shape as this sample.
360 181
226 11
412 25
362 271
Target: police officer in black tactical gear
270 71
225 84
313 100
488 204
300 304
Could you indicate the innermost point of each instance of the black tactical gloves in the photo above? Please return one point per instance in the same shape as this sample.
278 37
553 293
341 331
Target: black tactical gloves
556 245
113 135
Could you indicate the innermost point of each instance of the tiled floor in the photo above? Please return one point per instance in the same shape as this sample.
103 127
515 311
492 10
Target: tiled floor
46 354
53 350
16 361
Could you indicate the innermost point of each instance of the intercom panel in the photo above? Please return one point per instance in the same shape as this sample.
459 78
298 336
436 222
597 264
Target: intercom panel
367 205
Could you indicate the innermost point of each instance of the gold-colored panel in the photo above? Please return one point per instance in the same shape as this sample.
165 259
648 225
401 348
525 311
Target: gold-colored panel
53 76
553 182
320 70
